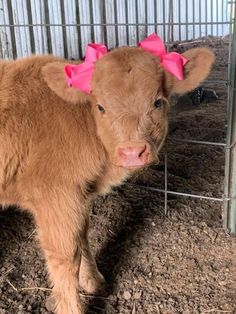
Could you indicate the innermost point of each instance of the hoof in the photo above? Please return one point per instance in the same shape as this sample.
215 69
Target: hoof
94 285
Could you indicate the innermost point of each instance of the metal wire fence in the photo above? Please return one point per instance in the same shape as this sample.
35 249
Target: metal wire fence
65 27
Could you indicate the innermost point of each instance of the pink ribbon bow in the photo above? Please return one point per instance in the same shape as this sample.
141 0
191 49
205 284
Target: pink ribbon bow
80 75
172 62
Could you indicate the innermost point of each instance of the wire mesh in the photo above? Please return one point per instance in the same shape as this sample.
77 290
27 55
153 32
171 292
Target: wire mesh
65 27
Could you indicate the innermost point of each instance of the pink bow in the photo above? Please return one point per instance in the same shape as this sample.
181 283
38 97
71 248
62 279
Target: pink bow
80 75
172 62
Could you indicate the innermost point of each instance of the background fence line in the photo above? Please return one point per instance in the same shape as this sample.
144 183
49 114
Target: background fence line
64 27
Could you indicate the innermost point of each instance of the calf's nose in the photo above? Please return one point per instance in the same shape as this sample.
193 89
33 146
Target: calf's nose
132 156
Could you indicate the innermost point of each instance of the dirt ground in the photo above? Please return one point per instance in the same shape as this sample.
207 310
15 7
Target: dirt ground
183 262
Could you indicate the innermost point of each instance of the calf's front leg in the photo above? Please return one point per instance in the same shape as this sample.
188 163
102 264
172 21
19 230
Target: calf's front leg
90 279
60 222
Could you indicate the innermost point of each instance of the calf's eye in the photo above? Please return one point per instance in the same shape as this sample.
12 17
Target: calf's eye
158 103
101 109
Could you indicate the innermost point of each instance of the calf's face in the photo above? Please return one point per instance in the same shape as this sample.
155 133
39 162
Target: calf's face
130 91
130 106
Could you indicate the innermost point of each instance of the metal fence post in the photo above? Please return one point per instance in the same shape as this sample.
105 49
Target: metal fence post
230 164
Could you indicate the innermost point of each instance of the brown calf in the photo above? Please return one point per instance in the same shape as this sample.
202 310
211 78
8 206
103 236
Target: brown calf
59 146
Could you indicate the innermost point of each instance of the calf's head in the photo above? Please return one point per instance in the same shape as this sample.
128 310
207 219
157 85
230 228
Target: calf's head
130 91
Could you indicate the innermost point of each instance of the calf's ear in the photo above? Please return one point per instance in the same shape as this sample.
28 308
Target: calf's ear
195 71
55 77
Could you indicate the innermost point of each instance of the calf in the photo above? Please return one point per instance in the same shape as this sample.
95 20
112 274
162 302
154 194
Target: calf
60 146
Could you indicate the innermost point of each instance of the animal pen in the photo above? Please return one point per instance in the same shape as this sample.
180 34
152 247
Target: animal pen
64 28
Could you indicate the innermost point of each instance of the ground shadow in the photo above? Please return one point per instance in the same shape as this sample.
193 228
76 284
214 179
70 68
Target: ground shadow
15 227
126 223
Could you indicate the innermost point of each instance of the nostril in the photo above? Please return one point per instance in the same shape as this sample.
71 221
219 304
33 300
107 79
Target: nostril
142 151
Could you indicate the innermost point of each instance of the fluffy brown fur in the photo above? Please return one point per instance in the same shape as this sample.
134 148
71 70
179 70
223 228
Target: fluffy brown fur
57 149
